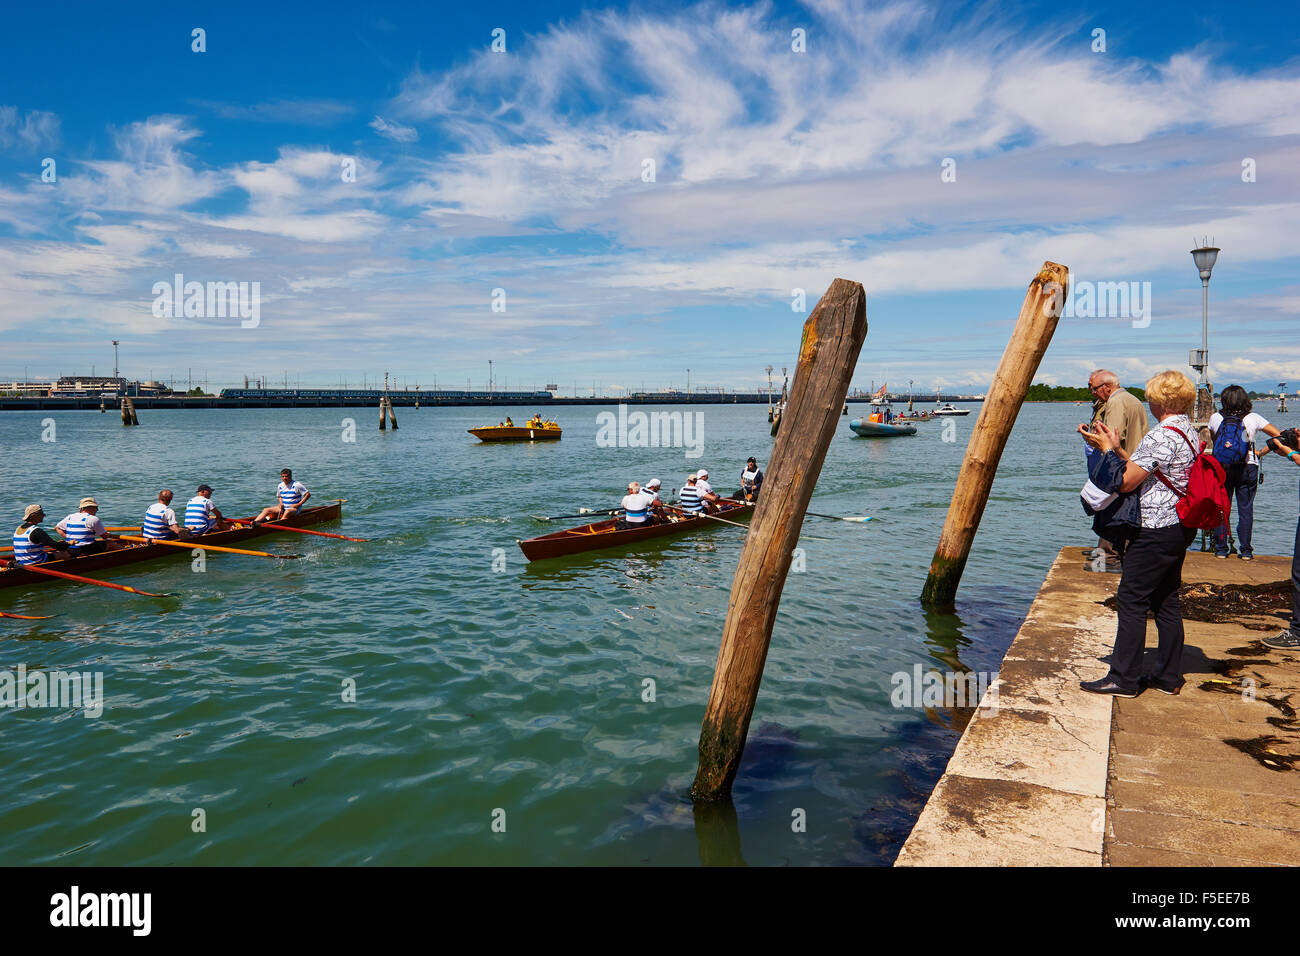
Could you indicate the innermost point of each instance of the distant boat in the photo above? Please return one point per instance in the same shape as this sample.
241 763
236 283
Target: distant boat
947 408
865 428
875 426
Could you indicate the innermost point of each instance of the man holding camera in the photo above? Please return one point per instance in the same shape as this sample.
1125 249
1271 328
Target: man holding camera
1287 445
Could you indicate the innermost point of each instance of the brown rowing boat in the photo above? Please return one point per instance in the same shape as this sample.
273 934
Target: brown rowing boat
607 534
13 576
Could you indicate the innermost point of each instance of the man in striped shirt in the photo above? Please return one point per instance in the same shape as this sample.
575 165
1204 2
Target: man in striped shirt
201 515
690 495
31 540
160 520
84 531
292 496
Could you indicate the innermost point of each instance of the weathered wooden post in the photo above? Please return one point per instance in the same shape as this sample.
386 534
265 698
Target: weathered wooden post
1029 339
383 411
828 353
392 415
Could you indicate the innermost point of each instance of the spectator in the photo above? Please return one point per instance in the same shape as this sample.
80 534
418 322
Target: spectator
1288 443
1153 560
1234 428
1120 411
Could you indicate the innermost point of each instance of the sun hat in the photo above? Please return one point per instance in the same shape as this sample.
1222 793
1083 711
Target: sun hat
88 502
653 483
32 511
704 473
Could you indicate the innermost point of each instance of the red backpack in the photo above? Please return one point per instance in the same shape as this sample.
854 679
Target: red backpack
1205 503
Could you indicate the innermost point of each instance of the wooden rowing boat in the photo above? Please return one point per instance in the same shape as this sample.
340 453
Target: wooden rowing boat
13 576
607 534
549 432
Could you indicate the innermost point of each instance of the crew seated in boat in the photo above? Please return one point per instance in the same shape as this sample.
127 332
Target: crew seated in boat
84 532
291 494
751 480
201 515
31 540
509 423
640 510
651 488
160 520
536 422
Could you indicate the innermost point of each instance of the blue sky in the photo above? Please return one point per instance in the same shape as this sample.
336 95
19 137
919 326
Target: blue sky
523 171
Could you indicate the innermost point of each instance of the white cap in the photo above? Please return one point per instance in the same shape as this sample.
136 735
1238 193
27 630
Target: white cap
653 483
704 473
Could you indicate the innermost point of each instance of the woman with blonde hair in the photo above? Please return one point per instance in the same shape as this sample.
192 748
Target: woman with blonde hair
1153 559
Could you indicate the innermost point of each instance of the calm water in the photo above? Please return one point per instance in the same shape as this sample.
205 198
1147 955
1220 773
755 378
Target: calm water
518 689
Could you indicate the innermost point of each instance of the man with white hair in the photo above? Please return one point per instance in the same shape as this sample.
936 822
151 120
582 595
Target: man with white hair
638 508
1120 411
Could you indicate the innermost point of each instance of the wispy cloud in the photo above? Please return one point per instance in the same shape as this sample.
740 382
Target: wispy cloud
394 131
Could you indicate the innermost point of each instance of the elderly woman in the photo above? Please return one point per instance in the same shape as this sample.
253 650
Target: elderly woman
1153 560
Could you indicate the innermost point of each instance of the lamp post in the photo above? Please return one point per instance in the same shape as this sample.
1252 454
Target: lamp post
1204 257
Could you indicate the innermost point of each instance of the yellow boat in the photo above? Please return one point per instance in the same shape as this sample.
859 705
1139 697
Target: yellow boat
530 431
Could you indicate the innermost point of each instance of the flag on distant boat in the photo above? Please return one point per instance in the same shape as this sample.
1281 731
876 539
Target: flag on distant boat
880 392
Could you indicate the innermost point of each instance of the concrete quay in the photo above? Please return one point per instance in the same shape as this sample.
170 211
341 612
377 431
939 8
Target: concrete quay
1047 774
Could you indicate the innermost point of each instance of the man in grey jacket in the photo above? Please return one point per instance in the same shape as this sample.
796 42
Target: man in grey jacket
1120 410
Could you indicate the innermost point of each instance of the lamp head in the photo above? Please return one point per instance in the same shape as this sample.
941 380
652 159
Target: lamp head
1204 258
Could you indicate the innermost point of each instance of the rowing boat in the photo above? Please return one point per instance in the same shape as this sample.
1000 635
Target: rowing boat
607 534
548 432
14 575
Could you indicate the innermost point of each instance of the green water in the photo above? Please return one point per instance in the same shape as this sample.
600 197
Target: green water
520 689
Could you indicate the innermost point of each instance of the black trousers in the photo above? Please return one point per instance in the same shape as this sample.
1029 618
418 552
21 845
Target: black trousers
1153 571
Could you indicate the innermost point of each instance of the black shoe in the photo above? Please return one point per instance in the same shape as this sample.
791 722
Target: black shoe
1288 640
1146 683
1107 686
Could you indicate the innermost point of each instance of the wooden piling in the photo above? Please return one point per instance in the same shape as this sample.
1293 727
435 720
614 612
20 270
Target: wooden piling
1029 339
828 353
383 410
392 415
128 413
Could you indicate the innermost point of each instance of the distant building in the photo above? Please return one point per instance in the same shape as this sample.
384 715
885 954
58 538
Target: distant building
26 389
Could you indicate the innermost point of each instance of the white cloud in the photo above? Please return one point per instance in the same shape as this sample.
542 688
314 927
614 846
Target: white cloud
394 131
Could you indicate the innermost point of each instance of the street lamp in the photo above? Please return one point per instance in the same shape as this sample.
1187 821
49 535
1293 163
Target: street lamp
1204 257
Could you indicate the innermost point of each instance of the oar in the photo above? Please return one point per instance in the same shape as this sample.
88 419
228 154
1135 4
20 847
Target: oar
705 514
28 617
859 518
207 547
125 527
285 527
79 579
581 514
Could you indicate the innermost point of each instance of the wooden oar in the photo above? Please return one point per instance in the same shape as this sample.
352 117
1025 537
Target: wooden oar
705 514
858 518
207 547
581 514
36 568
28 617
125 527
285 527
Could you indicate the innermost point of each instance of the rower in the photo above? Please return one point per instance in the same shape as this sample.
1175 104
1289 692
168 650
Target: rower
708 497
160 520
637 508
84 531
201 515
690 495
651 488
31 540
751 480
292 494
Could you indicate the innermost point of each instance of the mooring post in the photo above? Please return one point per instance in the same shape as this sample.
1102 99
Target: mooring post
1029 339
392 415
383 410
828 353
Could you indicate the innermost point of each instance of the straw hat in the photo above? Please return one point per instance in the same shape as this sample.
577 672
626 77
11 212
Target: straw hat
31 511
88 503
